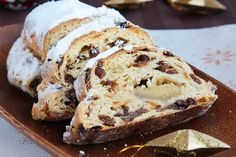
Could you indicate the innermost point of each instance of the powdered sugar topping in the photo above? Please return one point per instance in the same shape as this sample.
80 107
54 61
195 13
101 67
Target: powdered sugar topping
99 24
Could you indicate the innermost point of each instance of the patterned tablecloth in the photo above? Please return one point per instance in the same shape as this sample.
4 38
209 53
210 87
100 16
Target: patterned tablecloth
212 50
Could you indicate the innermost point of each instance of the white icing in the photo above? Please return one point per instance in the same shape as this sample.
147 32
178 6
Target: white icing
78 85
51 14
22 65
105 54
99 24
51 88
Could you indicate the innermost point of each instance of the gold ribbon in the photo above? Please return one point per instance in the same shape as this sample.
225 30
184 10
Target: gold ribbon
132 147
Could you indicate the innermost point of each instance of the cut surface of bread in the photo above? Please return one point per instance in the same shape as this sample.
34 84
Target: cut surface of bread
65 61
135 91
42 31
23 69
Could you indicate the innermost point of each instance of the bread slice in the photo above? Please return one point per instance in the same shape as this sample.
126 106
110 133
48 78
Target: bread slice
42 30
23 69
128 92
65 61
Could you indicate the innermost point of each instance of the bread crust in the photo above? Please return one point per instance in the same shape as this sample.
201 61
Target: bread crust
41 51
40 112
23 68
137 128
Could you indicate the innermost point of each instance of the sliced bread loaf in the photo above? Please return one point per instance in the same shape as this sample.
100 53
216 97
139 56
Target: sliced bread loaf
65 61
128 92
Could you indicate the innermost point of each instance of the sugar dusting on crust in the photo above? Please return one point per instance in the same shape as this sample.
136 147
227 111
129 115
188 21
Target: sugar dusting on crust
51 88
40 21
105 54
43 17
22 66
99 24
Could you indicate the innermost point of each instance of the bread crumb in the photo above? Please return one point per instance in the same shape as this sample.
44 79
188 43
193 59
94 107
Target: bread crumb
230 111
105 148
126 145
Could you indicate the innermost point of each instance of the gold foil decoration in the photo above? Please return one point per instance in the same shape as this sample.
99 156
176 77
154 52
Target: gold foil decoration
197 6
183 143
122 4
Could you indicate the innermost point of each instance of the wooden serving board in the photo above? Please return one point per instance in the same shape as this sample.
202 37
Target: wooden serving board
15 107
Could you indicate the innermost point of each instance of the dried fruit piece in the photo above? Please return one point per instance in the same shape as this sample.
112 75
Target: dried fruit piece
93 52
112 84
132 115
125 109
33 85
109 121
122 24
142 58
69 78
164 67
100 72
87 75
195 79
183 104
168 53
96 128
143 82
81 130
71 95
191 101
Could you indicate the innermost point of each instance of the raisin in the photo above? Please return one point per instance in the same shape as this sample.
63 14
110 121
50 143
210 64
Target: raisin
164 67
88 85
195 79
49 60
71 95
100 63
132 115
143 82
109 121
86 48
93 52
67 103
125 109
122 24
33 85
191 101
87 75
112 84
81 129
172 71
168 53
96 128
142 58
69 78
183 104
100 72
108 83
